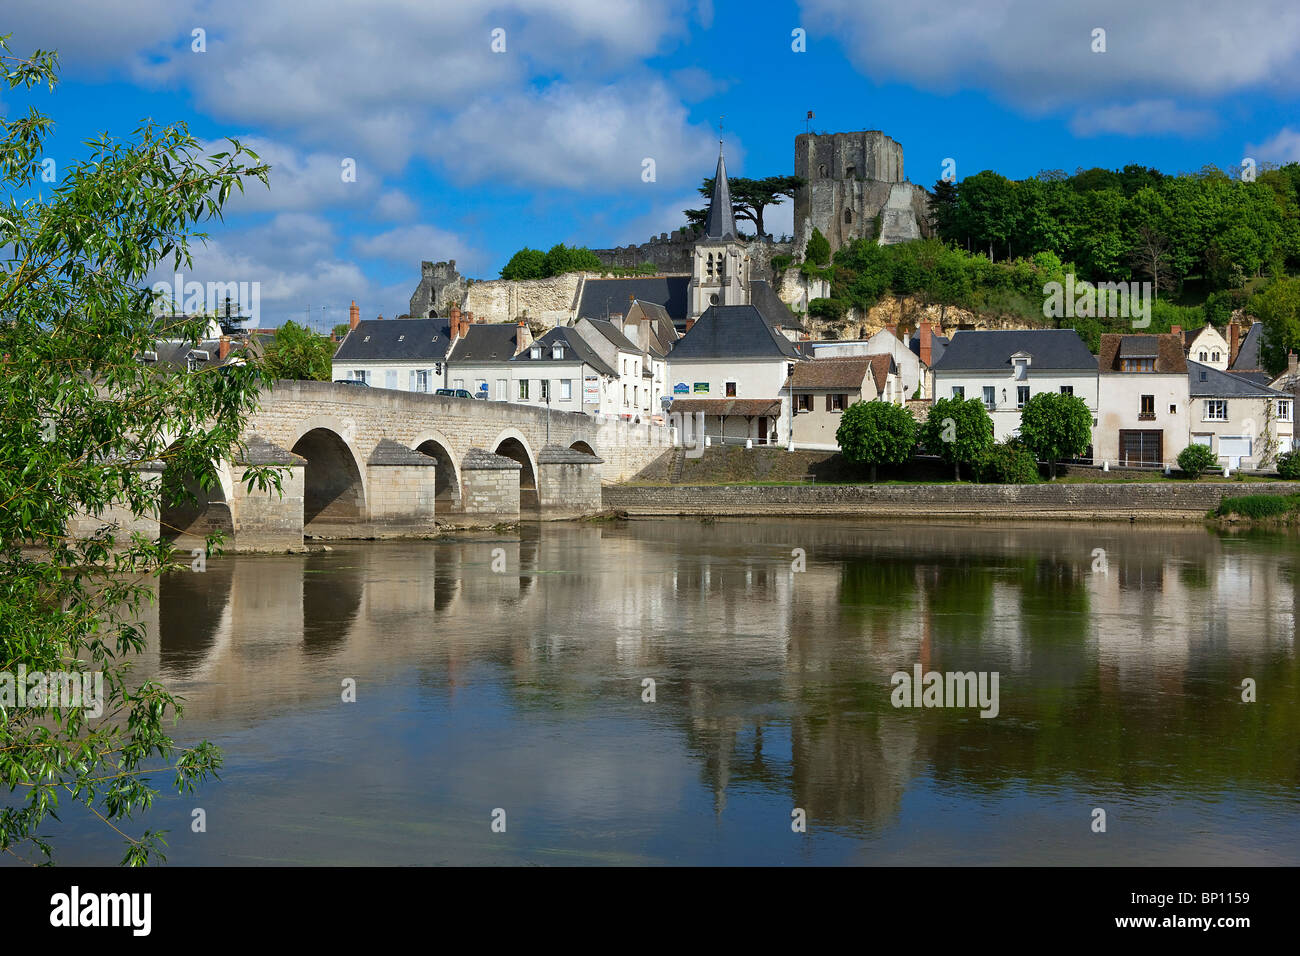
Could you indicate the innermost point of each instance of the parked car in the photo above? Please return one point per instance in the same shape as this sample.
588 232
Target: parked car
351 381
454 392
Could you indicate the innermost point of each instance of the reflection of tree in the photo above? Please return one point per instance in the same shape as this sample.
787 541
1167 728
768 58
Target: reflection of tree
876 593
959 597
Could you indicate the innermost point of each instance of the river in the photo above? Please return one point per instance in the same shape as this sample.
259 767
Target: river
507 678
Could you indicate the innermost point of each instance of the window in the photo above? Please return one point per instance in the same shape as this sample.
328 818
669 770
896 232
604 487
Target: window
422 380
1067 389
850 173
544 392
458 383
803 403
361 375
1214 356
959 392
535 352
731 389
624 394
836 403
501 390
390 378
990 397
557 351
848 217
1022 395
566 390
523 389
1216 410
1022 370
1284 410
1147 407
1173 409
1139 365
1201 356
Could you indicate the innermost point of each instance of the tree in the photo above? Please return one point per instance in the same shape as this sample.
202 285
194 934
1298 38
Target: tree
878 433
526 264
818 250
1278 308
959 431
1055 426
561 259
1150 256
83 419
749 197
296 352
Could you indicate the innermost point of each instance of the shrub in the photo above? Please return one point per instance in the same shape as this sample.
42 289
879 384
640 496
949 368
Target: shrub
877 433
1196 460
1258 506
1288 465
818 249
1008 463
827 308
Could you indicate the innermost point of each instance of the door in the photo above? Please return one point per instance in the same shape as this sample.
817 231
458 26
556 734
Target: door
762 430
1141 446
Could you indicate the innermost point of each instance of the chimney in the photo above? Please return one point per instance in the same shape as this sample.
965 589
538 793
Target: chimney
354 315
924 334
523 337
1292 363
892 330
379 318
643 334
1234 341
333 337
223 349
689 323
1175 330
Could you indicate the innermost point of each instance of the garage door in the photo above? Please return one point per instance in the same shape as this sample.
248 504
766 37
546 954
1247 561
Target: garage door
1141 446
1234 448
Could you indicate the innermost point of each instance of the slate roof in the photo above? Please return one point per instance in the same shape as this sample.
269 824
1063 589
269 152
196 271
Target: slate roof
614 335
721 220
835 373
479 459
1259 378
763 297
605 297
733 332
1247 359
1167 349
485 343
1058 349
396 340
174 356
575 349
1206 382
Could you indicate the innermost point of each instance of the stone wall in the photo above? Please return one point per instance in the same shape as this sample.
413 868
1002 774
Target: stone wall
401 498
265 520
1118 501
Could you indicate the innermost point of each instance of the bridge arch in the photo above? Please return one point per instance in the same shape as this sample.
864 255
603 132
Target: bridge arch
334 478
582 446
188 510
513 445
446 477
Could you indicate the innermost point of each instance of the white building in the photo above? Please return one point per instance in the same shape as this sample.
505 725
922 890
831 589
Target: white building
1245 424
1143 399
407 355
1207 347
1005 368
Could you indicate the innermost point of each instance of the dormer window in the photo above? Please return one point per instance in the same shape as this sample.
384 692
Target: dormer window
1020 365
557 351
401 338
536 352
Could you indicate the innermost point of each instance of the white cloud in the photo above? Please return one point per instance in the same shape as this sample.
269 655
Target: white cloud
1039 55
580 138
1282 148
1143 118
407 246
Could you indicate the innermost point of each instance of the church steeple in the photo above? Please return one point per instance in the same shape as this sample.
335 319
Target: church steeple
721 222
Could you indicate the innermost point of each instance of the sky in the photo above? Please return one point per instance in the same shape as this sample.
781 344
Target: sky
477 128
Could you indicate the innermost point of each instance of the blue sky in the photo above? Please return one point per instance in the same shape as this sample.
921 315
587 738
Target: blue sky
468 154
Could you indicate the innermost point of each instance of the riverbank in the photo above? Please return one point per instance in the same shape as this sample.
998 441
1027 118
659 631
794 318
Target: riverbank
1164 501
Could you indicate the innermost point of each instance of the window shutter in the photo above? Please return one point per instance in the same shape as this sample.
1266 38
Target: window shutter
828 403
410 381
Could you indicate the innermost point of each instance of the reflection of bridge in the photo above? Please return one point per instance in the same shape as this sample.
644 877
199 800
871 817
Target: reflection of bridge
373 462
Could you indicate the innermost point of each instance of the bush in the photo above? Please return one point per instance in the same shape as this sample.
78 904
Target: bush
1008 463
1258 506
1288 465
827 308
1196 460
818 249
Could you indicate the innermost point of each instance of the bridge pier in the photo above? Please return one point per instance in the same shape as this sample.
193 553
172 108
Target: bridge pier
118 515
267 520
568 482
489 488
402 492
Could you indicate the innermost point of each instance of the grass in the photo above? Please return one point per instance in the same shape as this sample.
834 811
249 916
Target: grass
1259 506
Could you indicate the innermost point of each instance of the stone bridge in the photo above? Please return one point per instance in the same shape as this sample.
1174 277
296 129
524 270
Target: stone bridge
362 462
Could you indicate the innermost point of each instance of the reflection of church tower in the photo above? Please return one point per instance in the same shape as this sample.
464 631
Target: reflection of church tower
720 267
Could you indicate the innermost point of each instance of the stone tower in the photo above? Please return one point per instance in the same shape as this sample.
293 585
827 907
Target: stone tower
853 178
719 264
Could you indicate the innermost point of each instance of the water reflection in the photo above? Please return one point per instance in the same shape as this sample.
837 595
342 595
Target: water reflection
512 664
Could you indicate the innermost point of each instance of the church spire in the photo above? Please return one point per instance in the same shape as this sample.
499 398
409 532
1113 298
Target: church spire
721 223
